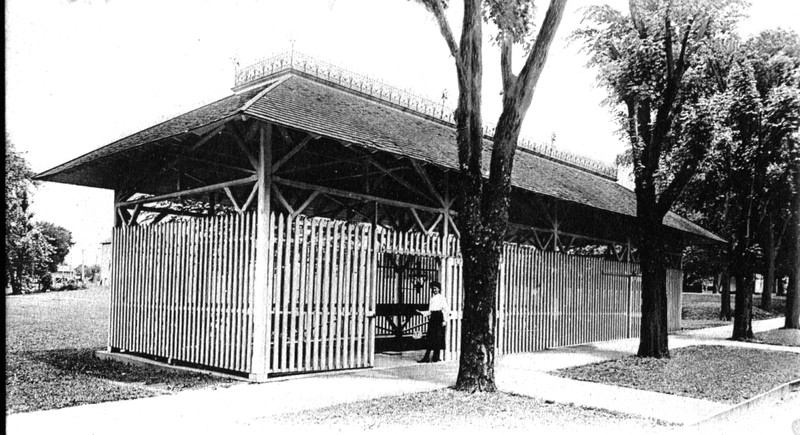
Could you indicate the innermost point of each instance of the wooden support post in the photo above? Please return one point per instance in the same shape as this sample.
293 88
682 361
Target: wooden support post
263 285
212 203
117 217
630 302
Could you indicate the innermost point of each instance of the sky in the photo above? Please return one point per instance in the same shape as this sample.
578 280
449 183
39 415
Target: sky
82 74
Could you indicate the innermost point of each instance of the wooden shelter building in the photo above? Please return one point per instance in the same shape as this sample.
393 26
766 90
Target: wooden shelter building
285 227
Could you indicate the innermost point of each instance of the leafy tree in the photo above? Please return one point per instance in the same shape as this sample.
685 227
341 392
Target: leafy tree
775 58
60 239
744 190
18 190
483 211
90 271
654 63
36 253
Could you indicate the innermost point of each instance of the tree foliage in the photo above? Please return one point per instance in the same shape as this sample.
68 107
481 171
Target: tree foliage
654 62
33 249
60 239
18 191
744 190
483 202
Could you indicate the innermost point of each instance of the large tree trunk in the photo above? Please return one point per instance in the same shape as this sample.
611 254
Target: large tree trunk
793 302
480 265
725 309
653 340
793 290
743 309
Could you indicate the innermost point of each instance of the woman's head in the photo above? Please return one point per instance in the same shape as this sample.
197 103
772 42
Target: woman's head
436 287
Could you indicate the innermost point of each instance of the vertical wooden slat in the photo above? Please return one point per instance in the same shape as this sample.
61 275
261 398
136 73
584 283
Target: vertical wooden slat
324 311
285 294
318 272
341 232
334 287
362 294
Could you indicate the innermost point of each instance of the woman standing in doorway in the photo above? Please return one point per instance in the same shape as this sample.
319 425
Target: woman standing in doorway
437 320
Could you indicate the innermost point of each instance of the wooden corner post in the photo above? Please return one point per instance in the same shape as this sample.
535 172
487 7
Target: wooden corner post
263 285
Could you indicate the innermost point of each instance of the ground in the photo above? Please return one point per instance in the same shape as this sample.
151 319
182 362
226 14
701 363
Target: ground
51 337
450 410
701 310
723 374
50 340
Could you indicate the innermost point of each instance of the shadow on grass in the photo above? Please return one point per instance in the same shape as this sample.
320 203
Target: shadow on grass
83 362
41 380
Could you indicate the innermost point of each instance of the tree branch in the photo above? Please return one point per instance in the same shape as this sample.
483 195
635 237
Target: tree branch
529 76
668 47
436 7
506 70
681 67
671 193
638 24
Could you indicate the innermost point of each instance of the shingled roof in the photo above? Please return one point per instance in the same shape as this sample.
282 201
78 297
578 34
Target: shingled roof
307 103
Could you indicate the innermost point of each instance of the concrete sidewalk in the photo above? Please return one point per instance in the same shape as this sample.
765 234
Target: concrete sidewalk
243 408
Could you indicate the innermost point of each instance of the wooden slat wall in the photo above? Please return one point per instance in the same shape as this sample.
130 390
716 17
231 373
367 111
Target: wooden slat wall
674 289
183 291
547 299
322 295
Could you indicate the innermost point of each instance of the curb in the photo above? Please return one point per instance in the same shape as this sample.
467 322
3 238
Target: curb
777 392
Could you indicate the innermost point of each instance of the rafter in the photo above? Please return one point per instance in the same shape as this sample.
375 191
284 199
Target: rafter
191 192
282 200
233 200
371 160
352 195
243 148
203 140
306 203
421 171
296 149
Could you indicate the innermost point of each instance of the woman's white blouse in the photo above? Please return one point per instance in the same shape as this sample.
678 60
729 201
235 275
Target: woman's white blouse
439 303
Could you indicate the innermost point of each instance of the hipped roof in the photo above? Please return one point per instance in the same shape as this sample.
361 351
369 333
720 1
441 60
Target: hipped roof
307 103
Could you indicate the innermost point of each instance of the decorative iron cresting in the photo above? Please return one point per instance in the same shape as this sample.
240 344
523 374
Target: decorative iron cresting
296 61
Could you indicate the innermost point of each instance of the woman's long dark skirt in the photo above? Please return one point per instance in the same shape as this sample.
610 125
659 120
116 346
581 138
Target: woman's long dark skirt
436 331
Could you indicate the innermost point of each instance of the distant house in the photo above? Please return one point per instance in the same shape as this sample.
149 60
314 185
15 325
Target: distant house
105 262
62 274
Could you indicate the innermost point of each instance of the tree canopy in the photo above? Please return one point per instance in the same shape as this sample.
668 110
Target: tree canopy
32 248
655 64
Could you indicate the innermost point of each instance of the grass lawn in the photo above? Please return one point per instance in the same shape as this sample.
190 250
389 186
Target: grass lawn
782 337
51 337
50 340
701 310
724 374
453 412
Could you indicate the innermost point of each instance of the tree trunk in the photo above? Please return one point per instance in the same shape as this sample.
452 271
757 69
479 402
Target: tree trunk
725 310
717 283
743 309
793 301
769 253
480 268
16 276
653 340
793 290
